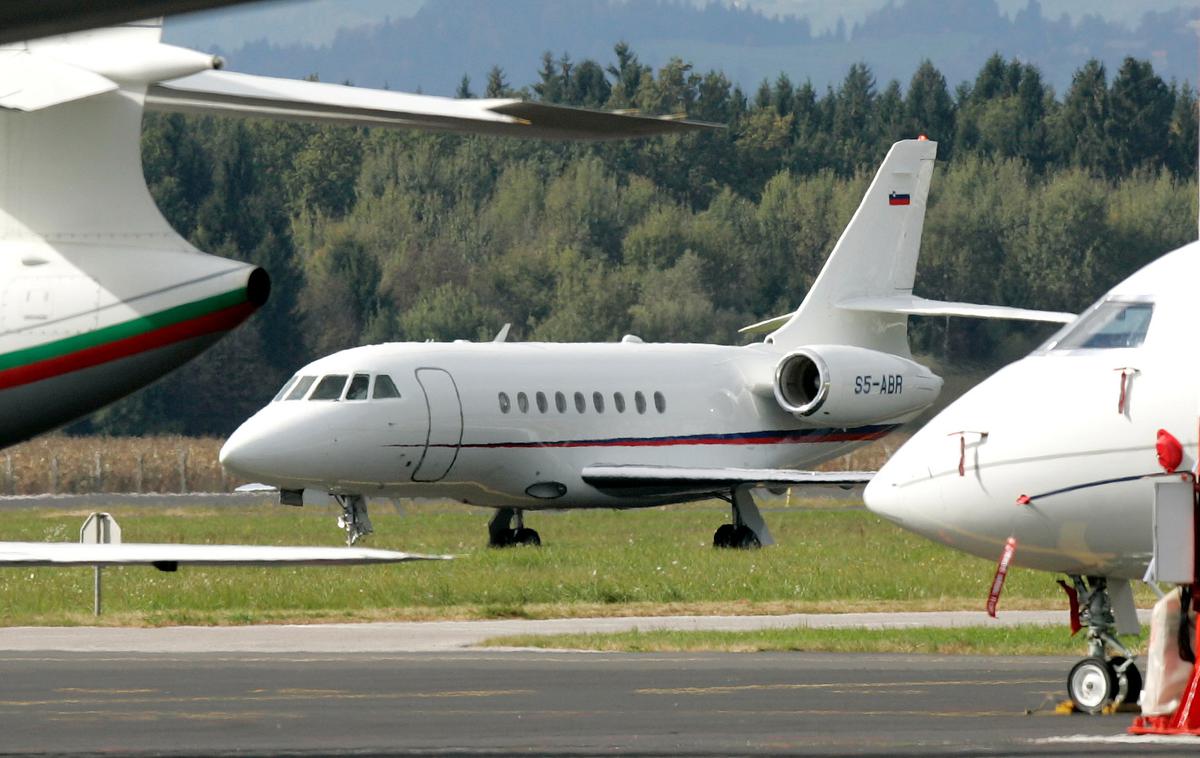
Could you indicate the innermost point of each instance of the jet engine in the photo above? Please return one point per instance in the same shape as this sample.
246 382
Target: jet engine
843 386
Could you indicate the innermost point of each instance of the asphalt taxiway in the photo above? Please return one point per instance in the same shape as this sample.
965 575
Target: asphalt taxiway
522 702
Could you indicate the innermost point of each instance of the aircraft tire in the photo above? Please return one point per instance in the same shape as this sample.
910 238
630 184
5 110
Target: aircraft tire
1132 677
724 536
744 538
1092 685
525 536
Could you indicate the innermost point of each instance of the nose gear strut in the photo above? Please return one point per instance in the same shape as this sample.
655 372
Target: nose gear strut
354 519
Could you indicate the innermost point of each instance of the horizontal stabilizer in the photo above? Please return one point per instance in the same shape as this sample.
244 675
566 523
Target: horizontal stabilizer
168 555
688 479
229 93
769 325
918 306
32 82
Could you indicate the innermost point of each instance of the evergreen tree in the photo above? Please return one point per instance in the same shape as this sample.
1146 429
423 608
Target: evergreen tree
1140 110
1082 132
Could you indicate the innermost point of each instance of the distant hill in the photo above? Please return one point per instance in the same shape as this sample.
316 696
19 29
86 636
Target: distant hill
432 49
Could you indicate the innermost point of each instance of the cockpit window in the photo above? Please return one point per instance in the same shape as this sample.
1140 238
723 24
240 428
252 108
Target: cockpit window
1111 324
358 387
301 389
330 387
385 388
285 389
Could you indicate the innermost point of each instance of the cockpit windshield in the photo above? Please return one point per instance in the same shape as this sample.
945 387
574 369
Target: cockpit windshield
1111 324
300 389
385 388
330 387
283 392
358 387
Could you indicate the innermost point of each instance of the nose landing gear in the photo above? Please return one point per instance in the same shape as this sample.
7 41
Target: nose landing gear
354 519
1099 681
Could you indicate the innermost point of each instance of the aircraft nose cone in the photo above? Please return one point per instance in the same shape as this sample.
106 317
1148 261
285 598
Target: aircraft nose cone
884 498
245 453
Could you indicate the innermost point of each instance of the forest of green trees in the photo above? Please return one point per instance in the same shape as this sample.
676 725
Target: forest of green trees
1040 199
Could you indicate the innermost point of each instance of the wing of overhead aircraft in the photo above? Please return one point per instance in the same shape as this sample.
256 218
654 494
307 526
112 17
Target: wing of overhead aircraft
168 557
646 479
46 75
229 93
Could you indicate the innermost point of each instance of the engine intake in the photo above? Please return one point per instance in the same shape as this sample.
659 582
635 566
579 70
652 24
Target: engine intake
842 386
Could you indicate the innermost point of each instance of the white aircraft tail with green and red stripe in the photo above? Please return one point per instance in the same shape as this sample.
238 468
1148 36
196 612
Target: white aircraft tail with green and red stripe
98 294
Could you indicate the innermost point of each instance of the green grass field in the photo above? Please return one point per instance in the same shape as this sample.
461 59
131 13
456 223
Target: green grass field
639 562
1018 640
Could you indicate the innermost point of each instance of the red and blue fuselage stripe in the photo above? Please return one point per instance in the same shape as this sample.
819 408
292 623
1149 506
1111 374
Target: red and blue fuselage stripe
770 437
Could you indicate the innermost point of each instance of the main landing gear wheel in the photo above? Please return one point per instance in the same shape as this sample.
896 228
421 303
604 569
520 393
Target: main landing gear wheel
1092 685
525 536
502 533
731 536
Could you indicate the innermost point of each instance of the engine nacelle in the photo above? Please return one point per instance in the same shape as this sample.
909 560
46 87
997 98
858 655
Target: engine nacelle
843 386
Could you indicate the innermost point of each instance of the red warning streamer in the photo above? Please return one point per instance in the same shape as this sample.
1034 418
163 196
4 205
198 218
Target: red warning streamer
1006 557
1073 600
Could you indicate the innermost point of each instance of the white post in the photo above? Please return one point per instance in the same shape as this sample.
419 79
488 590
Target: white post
99 529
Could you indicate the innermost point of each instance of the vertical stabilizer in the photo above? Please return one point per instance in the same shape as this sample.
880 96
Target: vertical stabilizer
875 256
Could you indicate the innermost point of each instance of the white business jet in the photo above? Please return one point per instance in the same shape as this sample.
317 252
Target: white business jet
98 295
529 426
1059 453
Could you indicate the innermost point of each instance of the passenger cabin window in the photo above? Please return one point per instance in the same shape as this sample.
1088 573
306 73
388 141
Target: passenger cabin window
598 402
285 389
660 402
541 402
640 401
385 388
301 389
330 387
523 402
580 403
560 402
359 386
505 403
1110 325
619 402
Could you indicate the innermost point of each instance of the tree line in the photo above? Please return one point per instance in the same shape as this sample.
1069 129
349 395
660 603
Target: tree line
1038 200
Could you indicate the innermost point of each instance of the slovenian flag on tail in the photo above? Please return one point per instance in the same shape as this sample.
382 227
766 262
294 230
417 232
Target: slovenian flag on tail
895 198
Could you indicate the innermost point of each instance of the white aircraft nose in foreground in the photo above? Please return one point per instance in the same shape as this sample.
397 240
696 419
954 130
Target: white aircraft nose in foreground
1059 453
528 426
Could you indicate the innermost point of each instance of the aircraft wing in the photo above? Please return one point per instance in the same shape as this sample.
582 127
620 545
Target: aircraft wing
230 93
168 556
632 478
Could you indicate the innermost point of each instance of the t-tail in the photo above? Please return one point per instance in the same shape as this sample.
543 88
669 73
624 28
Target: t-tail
876 256
847 360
